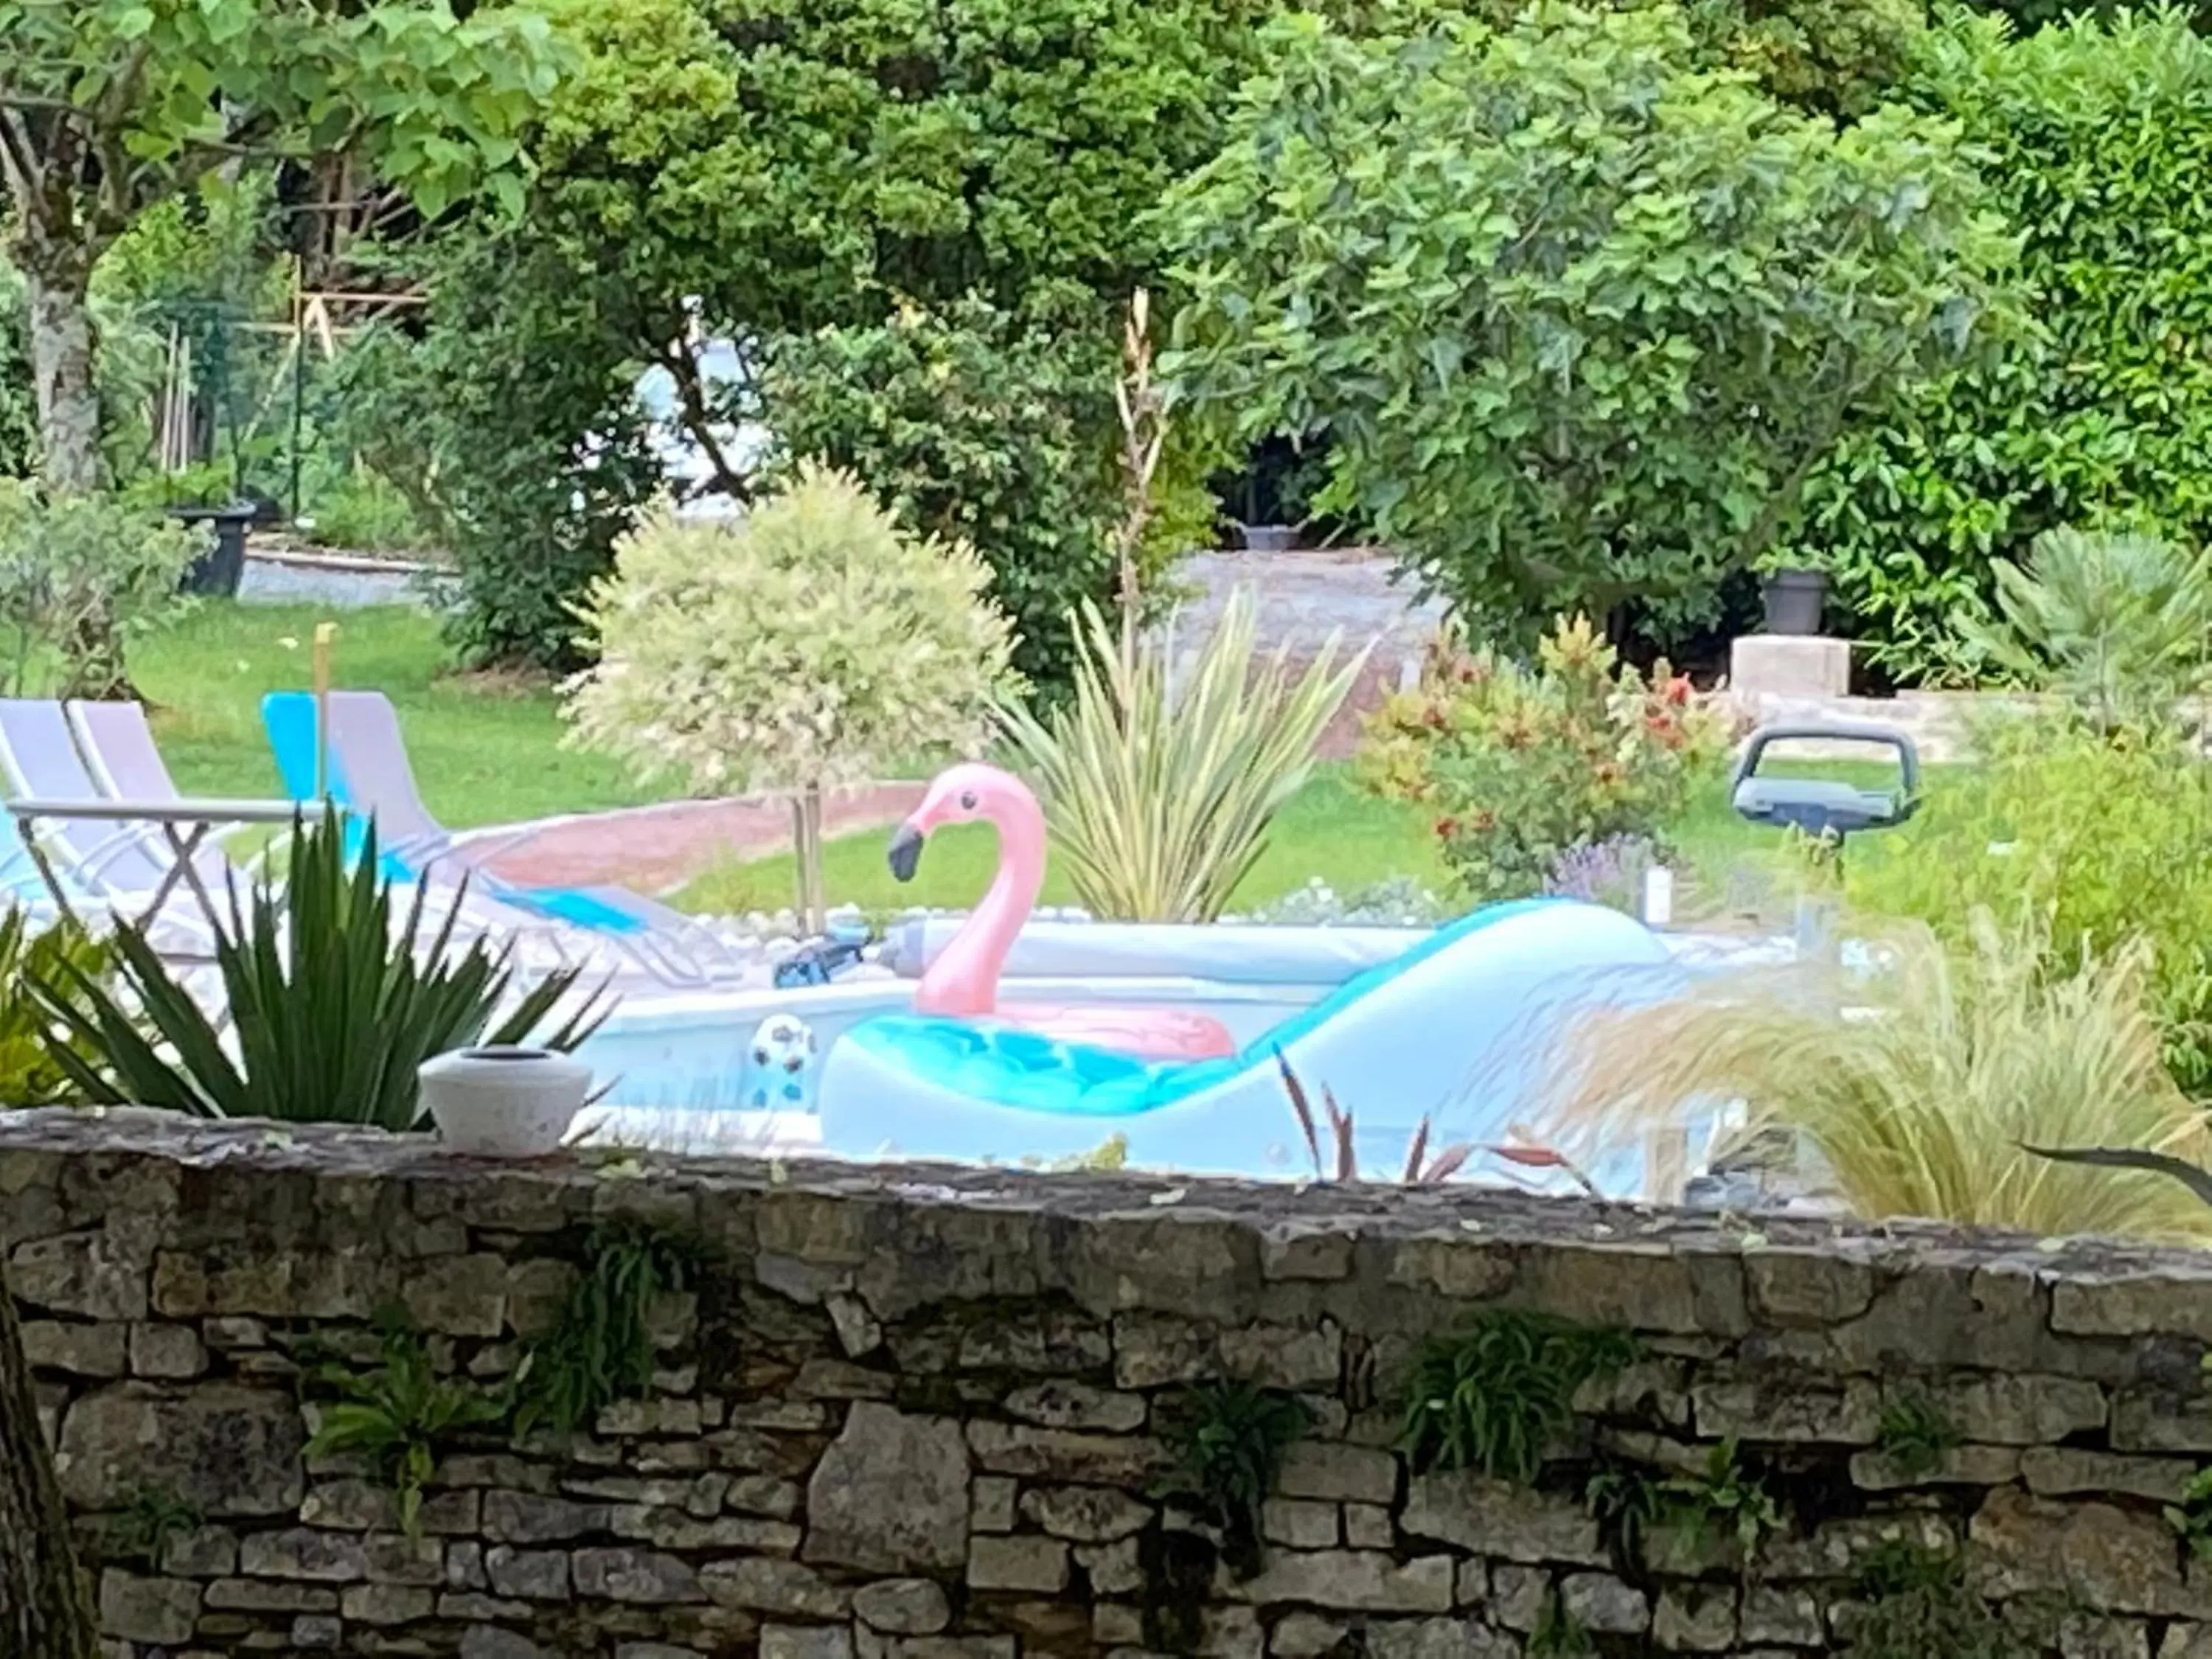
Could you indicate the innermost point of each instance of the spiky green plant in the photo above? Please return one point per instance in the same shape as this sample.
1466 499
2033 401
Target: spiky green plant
1159 785
1496 1396
335 1001
397 1415
1226 1443
1916 1085
600 1347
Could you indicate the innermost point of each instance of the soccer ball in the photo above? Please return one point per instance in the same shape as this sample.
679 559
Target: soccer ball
781 1059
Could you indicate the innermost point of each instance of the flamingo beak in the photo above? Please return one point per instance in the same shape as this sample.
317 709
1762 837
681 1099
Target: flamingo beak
905 855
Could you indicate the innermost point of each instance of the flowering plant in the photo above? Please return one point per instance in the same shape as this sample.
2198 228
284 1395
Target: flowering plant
1523 765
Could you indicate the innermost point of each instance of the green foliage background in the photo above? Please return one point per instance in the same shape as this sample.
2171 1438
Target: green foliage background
2098 147
1575 313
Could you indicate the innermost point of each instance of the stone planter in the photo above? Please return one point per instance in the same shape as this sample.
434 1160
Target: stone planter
503 1102
1269 537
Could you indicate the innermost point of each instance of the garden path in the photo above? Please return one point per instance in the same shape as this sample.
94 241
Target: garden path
653 849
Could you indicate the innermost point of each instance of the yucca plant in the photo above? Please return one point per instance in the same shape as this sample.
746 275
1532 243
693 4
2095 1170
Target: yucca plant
1159 787
335 1001
1919 1087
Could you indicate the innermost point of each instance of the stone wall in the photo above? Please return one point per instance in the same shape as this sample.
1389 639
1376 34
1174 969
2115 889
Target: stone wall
914 1412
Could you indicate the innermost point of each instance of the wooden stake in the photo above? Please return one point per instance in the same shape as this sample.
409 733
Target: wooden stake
325 633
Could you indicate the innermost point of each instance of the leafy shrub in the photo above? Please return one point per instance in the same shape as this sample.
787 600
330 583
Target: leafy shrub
511 423
2192 1517
80 576
974 425
336 999
1226 1443
30 1075
1523 767
2099 134
2102 838
1920 1095
810 643
1480 263
397 1416
2115 623
1159 780
1497 1396
19 410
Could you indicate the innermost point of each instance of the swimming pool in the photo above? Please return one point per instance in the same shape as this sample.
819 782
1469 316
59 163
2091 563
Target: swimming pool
681 1071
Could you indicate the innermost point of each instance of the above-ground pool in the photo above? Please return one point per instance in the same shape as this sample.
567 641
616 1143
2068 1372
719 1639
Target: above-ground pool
1453 1023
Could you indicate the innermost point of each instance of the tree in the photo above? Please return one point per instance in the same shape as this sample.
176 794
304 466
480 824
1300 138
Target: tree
811 643
762 171
108 107
45 1610
1576 316
978 426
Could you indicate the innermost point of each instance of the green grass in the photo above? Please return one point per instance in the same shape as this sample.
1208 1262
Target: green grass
1331 830
489 751
484 752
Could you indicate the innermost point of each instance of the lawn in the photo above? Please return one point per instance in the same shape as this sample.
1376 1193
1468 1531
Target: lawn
484 752
1330 830
489 751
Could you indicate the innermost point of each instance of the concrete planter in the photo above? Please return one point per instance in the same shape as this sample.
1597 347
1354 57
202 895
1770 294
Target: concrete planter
504 1102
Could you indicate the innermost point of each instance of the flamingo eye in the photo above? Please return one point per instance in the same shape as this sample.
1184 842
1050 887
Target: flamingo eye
968 801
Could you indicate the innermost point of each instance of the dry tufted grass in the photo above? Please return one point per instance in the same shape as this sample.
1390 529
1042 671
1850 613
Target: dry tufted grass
1918 1086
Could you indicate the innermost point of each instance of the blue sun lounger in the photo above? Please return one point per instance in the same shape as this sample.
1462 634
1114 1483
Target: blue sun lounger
368 775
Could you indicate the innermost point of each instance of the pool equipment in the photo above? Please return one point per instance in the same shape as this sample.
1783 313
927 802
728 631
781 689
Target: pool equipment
1827 809
1457 1028
962 982
844 948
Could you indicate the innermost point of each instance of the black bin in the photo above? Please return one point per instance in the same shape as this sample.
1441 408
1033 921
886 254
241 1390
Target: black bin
216 574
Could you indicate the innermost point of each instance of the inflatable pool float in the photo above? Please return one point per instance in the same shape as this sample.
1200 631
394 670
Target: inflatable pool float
962 982
1455 1029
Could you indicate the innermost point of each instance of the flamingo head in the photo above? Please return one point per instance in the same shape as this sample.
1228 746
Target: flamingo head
968 793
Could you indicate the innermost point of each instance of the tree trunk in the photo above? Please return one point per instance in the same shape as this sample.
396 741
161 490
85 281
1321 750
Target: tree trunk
58 282
46 1612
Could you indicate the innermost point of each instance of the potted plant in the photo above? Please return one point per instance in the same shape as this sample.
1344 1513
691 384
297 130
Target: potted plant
1795 595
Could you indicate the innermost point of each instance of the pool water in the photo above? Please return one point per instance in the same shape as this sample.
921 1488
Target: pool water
695 1053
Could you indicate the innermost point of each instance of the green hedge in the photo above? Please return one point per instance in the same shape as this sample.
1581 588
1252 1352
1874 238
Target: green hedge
2099 145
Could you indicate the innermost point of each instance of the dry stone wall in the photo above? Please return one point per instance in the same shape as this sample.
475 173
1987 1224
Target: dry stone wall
921 1414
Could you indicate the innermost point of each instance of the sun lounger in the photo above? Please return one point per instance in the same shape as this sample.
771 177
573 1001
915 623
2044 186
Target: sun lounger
368 773
120 753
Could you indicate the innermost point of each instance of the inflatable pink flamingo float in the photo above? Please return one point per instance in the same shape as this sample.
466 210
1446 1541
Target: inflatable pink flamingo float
963 981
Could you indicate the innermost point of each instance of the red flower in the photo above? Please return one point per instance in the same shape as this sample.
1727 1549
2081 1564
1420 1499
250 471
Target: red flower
1678 690
1447 828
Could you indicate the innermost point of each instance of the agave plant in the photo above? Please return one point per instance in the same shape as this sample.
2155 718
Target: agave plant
1918 1088
335 1001
1159 787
